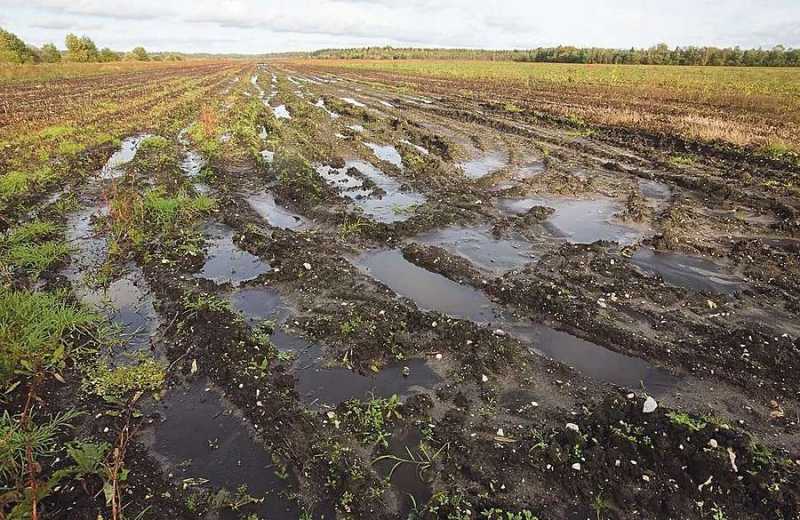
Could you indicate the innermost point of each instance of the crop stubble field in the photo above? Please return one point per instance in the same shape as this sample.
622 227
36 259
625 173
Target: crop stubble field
357 289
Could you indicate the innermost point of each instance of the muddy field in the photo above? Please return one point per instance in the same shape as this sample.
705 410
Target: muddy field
341 296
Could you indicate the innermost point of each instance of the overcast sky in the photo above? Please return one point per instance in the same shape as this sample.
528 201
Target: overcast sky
251 26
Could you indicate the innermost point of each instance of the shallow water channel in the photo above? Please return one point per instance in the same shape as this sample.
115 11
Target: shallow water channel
434 292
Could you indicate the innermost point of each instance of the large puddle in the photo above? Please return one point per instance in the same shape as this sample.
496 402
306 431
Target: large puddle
276 215
127 301
481 248
387 203
433 292
690 272
317 383
225 261
204 437
484 165
580 221
127 151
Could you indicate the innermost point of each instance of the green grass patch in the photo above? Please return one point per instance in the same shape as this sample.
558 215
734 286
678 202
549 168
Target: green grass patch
35 331
120 383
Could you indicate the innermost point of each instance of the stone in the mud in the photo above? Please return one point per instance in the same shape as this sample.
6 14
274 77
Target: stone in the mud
650 405
573 427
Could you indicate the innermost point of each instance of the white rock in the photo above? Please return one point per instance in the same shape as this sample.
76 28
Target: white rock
484 378
576 466
438 357
650 405
646 478
307 266
499 332
574 427
500 432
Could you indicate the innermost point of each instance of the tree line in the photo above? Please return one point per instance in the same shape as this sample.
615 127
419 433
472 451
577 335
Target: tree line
661 54
77 49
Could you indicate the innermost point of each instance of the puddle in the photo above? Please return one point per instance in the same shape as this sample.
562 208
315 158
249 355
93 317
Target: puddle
258 304
420 149
527 171
690 272
254 81
654 190
267 155
593 360
281 112
321 104
579 221
127 301
483 165
127 151
430 291
192 163
393 205
405 478
433 292
386 153
225 261
481 248
354 102
264 204
204 436
318 385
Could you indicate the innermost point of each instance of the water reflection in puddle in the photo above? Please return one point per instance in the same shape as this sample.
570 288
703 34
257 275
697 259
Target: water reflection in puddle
654 190
483 165
318 384
420 149
281 112
321 104
392 205
204 436
386 153
354 102
434 292
481 248
259 304
225 261
690 272
264 204
410 488
579 221
192 163
127 151
430 291
127 301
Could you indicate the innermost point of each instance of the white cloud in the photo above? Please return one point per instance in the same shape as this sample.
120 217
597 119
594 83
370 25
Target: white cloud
280 25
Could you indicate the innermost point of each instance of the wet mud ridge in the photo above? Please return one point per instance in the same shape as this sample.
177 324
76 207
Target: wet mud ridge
334 297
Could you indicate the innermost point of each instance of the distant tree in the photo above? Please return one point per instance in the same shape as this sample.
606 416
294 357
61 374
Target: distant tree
107 54
50 54
81 49
139 54
13 49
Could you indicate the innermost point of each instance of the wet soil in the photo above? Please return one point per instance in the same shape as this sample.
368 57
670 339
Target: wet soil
525 308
